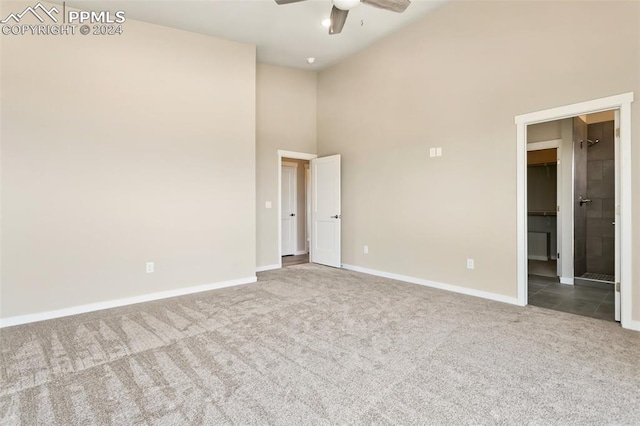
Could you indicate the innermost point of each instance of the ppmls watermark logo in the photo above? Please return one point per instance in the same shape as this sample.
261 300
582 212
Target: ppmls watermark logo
39 20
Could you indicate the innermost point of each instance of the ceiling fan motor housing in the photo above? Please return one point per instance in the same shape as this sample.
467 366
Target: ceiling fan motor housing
346 4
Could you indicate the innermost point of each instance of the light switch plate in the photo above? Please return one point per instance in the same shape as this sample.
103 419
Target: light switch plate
267 204
432 152
439 152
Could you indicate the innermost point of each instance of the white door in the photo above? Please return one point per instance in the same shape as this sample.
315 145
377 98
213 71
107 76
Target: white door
325 211
288 210
616 222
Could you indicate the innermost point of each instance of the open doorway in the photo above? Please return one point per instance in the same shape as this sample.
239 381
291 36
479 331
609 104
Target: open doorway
543 202
591 145
323 224
295 211
585 146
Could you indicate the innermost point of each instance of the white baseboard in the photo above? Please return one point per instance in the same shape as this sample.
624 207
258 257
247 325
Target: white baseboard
434 284
268 267
91 307
566 280
301 252
631 325
536 257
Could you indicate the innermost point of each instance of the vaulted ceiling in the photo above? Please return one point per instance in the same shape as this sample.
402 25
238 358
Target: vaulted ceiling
284 35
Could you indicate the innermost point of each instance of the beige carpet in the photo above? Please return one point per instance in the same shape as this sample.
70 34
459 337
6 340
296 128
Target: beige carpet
314 345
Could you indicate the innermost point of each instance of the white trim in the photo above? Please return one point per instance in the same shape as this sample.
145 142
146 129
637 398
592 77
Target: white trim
633 325
294 205
617 237
566 280
622 102
553 144
574 110
626 218
92 307
434 284
522 251
550 144
307 205
297 156
268 267
300 252
566 214
536 257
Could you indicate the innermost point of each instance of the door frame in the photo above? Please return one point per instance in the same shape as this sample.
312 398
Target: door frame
297 156
557 145
294 237
621 102
307 207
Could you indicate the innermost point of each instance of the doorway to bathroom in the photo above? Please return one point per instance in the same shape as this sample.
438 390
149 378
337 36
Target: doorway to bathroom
571 198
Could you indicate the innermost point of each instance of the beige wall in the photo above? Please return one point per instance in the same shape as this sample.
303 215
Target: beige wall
551 130
600 117
286 120
301 211
456 79
121 150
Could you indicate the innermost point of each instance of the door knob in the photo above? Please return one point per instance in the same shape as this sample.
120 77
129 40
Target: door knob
335 217
292 214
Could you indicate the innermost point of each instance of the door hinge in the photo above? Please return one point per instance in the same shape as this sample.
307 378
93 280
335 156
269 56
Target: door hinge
618 132
558 255
557 208
618 287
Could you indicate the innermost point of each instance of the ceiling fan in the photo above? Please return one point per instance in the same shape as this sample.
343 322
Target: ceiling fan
341 8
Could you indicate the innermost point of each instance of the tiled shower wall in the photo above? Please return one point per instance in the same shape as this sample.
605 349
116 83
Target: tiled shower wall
601 189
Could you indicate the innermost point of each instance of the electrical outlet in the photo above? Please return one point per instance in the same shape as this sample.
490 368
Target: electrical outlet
267 204
150 267
366 249
470 264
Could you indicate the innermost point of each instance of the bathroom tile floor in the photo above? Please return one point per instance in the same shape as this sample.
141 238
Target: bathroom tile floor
547 292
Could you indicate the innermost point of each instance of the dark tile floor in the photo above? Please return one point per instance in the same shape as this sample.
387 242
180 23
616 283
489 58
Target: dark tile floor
547 292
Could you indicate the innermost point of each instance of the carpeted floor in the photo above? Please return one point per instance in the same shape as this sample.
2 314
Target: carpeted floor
315 345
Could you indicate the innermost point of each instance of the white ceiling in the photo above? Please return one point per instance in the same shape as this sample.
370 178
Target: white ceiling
284 35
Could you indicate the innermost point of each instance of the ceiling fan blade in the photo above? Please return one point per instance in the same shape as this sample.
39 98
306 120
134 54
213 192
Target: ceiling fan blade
392 5
281 2
338 18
